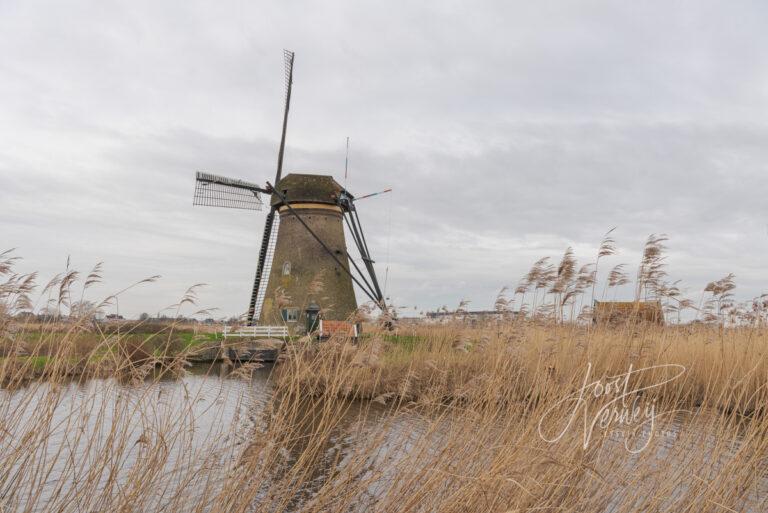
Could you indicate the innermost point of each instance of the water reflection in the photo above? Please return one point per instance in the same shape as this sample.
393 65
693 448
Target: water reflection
190 422
199 425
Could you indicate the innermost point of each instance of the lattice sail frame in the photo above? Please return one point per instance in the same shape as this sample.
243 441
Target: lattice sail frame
220 191
288 64
270 256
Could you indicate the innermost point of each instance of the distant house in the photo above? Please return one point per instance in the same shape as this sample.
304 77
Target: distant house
114 317
441 316
623 312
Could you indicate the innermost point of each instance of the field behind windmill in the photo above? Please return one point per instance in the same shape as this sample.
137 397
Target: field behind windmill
447 417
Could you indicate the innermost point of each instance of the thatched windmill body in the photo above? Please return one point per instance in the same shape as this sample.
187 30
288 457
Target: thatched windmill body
303 264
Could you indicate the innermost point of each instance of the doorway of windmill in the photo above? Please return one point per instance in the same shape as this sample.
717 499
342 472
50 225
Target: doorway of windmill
312 314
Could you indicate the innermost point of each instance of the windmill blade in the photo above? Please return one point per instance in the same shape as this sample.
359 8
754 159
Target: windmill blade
268 240
220 191
267 248
288 60
260 291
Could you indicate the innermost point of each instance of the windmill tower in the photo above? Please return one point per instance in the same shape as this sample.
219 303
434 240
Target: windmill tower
303 262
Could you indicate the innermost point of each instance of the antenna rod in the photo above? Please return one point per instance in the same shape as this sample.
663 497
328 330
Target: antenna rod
288 55
346 164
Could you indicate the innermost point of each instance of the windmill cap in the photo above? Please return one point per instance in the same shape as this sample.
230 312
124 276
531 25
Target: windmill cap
306 188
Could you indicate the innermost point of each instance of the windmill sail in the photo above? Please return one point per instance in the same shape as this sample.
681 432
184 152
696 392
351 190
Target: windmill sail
288 58
262 274
220 191
268 258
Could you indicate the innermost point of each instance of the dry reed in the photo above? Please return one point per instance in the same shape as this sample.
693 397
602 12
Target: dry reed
452 417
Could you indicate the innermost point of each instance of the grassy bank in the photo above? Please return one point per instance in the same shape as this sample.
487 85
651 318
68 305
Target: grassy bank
80 348
440 418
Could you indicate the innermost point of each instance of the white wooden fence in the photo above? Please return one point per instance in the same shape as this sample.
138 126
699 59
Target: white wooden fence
256 331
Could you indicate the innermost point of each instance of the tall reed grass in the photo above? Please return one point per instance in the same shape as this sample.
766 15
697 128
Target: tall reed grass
451 417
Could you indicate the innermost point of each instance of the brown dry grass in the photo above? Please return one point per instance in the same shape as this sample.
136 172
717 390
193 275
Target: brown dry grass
449 423
448 418
478 396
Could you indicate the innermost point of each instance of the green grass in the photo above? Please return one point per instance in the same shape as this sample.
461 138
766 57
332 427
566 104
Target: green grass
190 339
406 342
155 343
38 362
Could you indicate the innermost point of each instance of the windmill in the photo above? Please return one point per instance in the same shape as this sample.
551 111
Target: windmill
303 236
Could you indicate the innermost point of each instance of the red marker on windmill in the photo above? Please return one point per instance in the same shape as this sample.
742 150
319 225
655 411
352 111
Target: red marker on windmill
373 194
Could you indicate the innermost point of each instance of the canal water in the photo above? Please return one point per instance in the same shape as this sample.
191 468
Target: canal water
57 438
60 429
101 435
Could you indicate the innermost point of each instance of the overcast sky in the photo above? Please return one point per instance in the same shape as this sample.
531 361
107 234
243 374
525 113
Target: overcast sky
508 131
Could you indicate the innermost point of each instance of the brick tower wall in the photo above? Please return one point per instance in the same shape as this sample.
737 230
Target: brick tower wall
300 260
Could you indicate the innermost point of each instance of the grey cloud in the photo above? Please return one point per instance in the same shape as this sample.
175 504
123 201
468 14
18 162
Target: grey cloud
508 131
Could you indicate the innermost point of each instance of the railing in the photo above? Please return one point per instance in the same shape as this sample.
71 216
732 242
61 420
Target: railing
256 331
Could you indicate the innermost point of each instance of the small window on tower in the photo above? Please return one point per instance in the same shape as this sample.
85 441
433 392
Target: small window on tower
290 314
286 268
